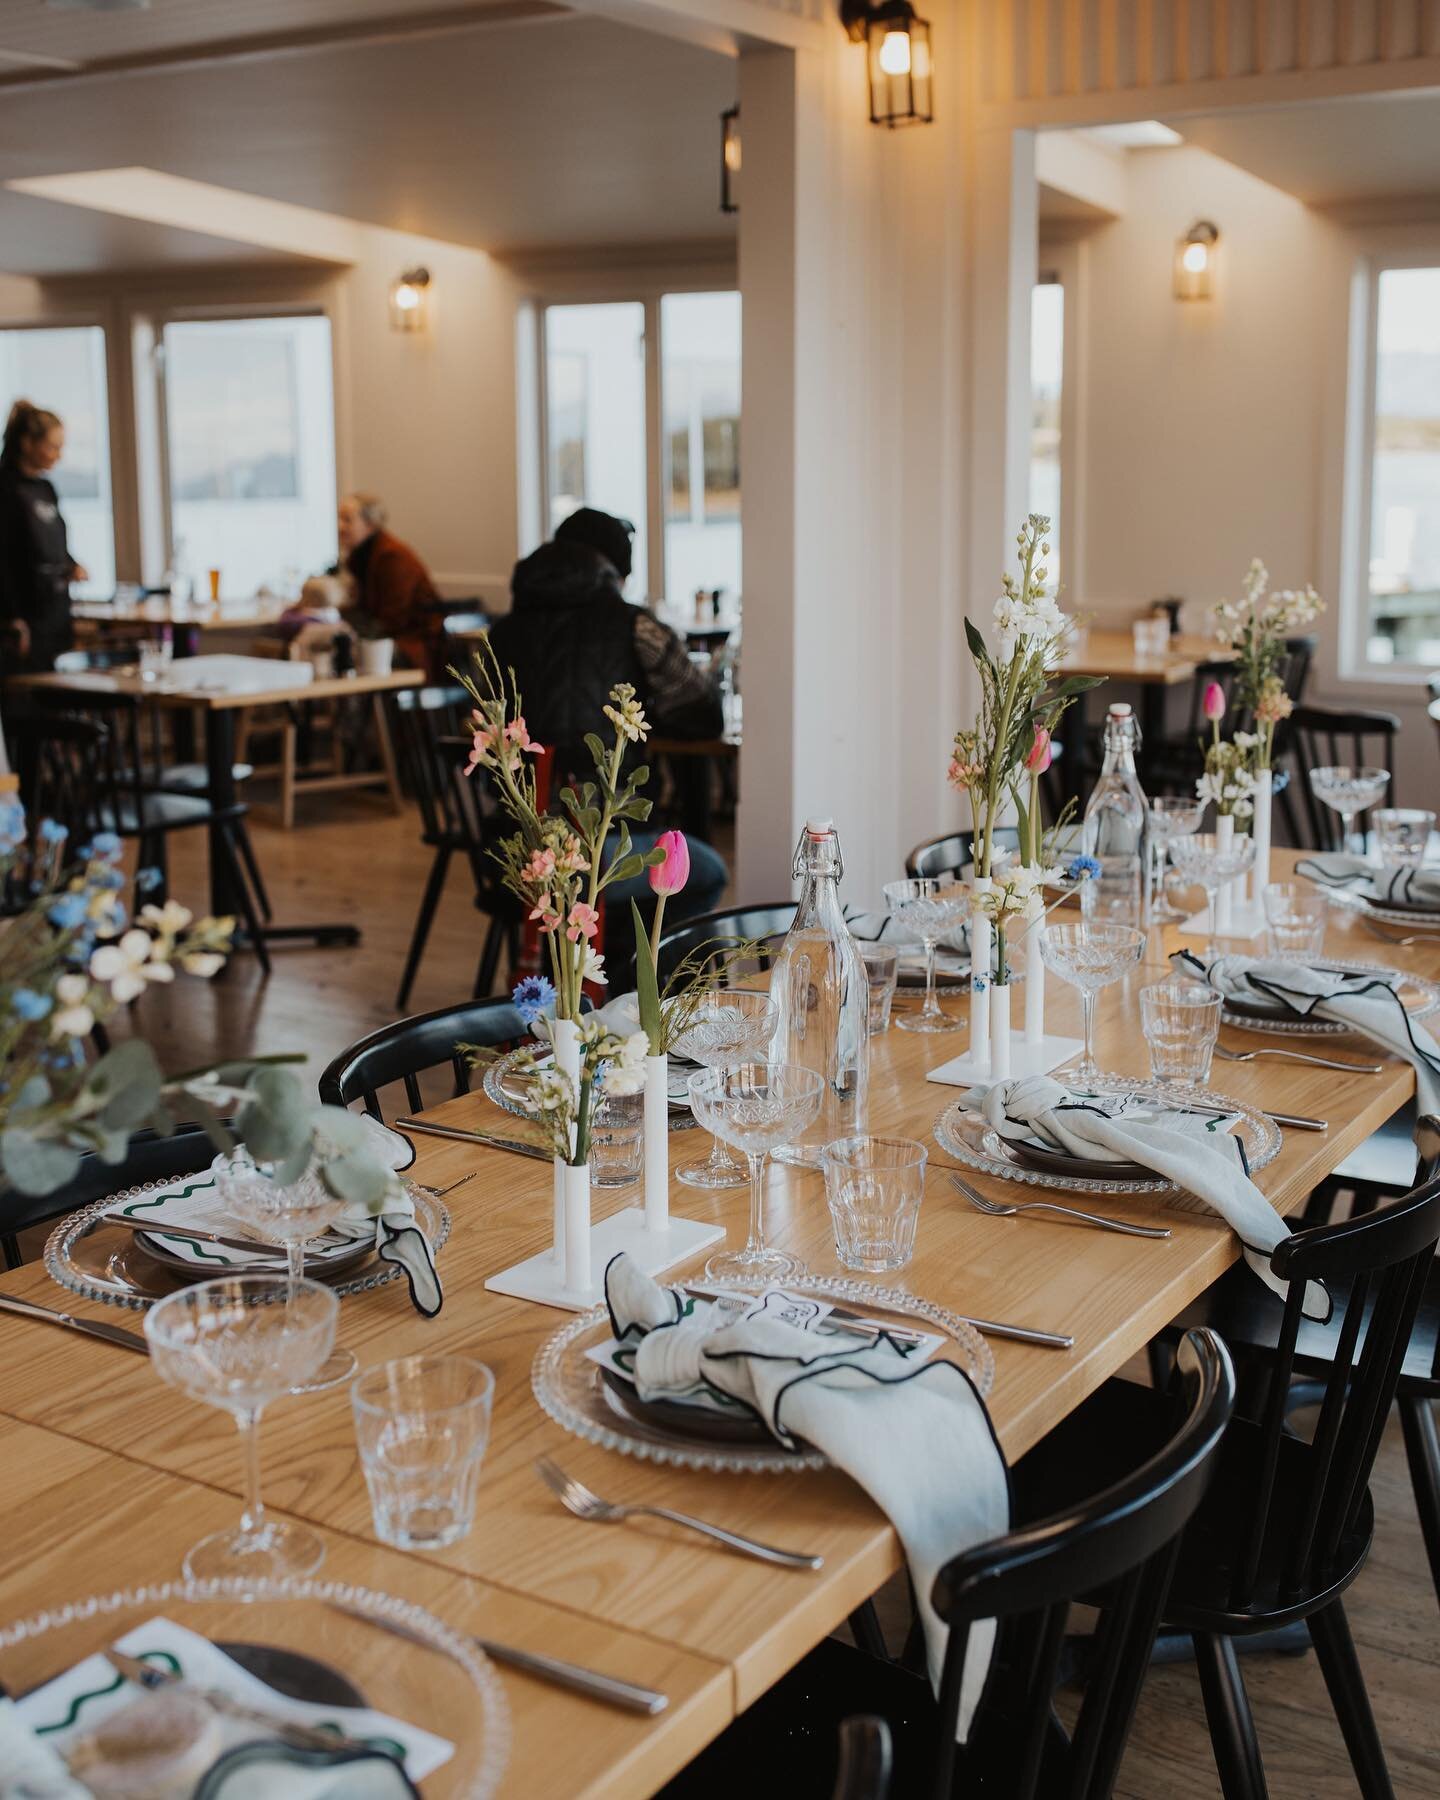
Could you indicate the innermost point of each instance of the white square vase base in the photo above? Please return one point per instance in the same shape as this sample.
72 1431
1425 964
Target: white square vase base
542 1278
1247 920
1025 1059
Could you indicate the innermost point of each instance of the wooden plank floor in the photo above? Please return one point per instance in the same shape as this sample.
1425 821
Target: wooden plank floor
351 861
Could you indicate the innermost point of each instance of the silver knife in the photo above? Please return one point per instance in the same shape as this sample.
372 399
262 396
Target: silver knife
474 1137
547 1668
155 1229
110 1334
1022 1334
1297 1121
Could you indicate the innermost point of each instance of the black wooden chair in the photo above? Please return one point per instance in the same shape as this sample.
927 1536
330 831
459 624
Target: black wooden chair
866 1760
764 923
430 736
944 858
1116 1546
1288 1524
1322 737
409 1048
150 1158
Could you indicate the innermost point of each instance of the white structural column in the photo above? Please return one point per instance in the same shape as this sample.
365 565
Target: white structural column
850 274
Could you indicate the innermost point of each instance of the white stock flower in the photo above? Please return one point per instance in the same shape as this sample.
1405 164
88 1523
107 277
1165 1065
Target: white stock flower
626 1074
168 920
126 967
593 968
74 1019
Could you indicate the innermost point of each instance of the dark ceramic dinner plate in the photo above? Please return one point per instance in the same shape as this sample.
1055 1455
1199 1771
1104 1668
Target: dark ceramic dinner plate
696 1424
1060 1162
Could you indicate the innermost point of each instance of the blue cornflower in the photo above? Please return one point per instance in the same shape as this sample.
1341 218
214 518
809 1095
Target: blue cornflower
1279 780
102 848
107 878
53 832
1082 868
29 1005
533 996
147 880
68 912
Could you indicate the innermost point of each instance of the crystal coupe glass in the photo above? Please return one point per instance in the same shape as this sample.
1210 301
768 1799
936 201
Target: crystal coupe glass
1090 956
238 1343
1171 816
730 1025
1204 860
929 907
756 1107
1349 791
288 1214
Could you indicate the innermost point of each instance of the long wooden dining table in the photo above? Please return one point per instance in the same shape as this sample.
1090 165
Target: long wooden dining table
106 1476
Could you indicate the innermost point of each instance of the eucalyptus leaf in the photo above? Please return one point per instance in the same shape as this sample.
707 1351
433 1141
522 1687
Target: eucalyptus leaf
35 1165
357 1178
126 1082
277 1121
34 1094
346 1130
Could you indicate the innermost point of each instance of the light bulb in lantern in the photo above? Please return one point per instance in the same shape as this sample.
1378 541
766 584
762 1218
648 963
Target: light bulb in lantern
894 55
1195 258
407 296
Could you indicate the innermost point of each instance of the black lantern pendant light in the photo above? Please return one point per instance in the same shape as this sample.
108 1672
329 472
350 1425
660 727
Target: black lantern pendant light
897 50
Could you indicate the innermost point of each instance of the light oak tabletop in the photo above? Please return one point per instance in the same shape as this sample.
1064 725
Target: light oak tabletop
1112 1293
1112 653
243 681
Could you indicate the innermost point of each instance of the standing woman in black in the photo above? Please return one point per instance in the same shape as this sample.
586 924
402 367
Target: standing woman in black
36 567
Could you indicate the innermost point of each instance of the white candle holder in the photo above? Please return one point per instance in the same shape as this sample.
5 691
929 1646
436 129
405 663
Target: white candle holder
980 941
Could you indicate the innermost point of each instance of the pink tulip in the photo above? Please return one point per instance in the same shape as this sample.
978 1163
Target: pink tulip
1038 761
1214 702
671 875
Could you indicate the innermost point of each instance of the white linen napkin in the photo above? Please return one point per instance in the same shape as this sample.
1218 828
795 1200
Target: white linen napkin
1196 1151
1386 887
59 1714
918 1440
398 1239
1368 1004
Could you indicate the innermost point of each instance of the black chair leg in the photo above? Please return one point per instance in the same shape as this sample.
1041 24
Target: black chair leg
1335 1651
1422 1452
429 901
489 968
1232 1725
252 868
247 903
10 1245
1287 813
864 1625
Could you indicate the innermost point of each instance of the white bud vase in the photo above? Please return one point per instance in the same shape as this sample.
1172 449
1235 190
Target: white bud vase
1035 973
1225 896
979 976
565 1036
576 1186
1260 831
1000 1030
657 1143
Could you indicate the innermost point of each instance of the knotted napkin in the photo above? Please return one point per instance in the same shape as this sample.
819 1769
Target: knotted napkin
917 1439
1194 1150
1410 886
1368 1004
398 1239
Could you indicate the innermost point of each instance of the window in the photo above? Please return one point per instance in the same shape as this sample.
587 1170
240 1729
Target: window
670 463
595 416
63 370
700 386
1047 362
250 434
1400 580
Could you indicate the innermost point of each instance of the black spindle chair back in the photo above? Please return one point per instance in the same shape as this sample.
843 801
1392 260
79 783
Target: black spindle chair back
1117 1548
1324 737
424 718
409 1048
946 857
765 924
1376 1266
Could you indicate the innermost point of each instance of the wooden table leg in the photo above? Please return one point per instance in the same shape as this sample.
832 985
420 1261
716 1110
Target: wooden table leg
387 752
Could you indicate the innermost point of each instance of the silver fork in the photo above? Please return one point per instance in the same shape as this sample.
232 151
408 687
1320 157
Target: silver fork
1386 937
1001 1210
575 1497
440 1193
1299 1056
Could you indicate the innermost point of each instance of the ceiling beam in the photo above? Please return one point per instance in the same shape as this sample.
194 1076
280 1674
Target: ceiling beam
724 26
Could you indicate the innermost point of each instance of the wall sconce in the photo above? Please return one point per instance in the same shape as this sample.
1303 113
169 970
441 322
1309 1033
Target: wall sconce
1195 262
897 49
730 160
409 301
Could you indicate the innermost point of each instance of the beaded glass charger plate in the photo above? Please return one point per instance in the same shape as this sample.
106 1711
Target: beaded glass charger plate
572 1387
1419 997
965 1135
1410 918
91 1255
244 1654
508 1085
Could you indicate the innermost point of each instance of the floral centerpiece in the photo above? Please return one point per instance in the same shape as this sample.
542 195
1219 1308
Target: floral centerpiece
71 960
1255 627
1019 698
1228 780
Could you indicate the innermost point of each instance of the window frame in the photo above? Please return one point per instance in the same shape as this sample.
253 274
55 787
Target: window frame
1415 251
1063 262
580 286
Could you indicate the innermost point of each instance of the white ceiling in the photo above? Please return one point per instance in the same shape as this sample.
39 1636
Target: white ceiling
1360 149
39 237
553 130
